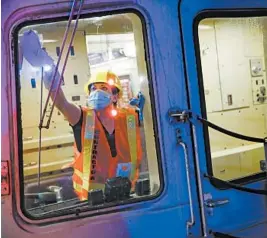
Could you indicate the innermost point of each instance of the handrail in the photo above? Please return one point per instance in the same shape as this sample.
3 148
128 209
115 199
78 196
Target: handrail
190 223
231 133
59 59
237 187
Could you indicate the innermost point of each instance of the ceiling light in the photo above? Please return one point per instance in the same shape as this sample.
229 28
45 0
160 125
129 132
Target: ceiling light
49 41
204 27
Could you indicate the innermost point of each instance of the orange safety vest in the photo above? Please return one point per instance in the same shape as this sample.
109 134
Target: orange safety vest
95 164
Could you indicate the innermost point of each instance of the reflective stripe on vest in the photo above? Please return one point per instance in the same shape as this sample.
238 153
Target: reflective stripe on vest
77 187
131 131
87 152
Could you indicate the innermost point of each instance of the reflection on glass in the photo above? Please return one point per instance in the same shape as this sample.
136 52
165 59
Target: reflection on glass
99 149
233 55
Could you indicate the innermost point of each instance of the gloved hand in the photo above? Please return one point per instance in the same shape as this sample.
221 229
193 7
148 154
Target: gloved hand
32 51
48 77
139 102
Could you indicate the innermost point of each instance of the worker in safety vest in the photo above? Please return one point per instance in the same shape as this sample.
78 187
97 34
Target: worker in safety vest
107 138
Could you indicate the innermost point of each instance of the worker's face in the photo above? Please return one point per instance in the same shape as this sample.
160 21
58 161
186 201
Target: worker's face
106 88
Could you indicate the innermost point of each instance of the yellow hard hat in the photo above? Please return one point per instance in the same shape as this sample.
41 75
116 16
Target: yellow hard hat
104 77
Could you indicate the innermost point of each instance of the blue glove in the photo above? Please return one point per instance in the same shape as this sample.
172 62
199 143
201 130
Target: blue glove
32 51
139 102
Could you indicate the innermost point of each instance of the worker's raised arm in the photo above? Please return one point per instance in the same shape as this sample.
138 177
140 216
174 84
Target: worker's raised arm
32 51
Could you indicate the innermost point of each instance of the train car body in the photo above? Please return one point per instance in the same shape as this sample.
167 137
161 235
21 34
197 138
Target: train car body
198 64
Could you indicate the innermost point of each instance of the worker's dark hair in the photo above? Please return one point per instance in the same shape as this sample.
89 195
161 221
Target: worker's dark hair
115 90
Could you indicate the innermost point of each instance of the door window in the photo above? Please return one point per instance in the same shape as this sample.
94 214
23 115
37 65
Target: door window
233 54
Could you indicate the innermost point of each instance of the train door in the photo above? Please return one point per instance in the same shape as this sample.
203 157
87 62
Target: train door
225 47
39 192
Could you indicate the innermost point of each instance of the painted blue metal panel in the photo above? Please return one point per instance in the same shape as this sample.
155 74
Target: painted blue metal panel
244 209
164 216
259 230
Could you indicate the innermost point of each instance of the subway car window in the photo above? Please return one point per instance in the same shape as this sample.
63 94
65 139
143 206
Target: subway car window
99 149
233 54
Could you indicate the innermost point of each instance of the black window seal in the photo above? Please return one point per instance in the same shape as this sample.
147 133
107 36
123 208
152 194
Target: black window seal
220 13
115 209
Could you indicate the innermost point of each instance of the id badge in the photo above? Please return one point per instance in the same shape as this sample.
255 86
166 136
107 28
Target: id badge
124 170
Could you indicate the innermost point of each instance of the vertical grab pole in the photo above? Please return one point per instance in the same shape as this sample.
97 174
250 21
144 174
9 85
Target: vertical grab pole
265 151
65 63
200 190
40 130
59 58
190 223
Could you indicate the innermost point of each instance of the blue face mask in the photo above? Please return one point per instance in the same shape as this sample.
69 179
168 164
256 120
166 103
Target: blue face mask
99 99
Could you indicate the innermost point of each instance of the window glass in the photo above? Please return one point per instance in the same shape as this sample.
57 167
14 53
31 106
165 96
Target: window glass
233 59
100 143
